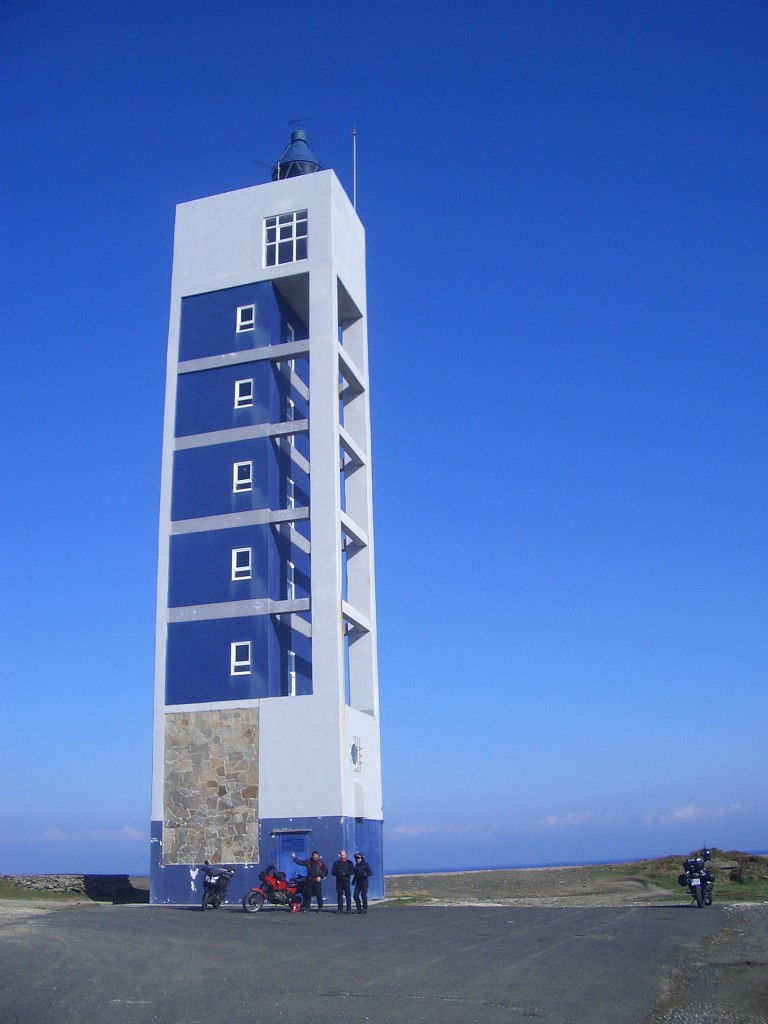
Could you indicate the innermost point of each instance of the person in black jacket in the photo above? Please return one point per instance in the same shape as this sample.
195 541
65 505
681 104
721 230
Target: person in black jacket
362 872
316 872
342 871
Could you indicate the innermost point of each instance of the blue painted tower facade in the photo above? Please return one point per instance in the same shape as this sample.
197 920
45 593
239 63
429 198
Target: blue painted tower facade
266 720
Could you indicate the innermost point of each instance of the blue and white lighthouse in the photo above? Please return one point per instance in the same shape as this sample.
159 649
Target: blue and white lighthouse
266 719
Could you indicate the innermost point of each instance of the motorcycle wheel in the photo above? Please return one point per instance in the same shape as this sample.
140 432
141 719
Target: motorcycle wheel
206 898
699 896
708 897
253 901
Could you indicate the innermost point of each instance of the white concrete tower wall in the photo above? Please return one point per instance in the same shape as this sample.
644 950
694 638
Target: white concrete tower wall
328 724
330 735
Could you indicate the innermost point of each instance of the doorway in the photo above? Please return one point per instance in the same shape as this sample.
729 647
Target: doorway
288 843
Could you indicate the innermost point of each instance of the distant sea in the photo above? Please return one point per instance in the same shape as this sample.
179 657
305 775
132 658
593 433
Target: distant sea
517 867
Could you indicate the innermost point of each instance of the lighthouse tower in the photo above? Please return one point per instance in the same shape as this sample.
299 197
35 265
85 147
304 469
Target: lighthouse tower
266 716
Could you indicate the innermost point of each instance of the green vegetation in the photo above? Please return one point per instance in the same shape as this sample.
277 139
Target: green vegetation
10 891
738 876
70 888
406 901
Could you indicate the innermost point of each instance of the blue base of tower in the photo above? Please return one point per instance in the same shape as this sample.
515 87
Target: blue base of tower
278 837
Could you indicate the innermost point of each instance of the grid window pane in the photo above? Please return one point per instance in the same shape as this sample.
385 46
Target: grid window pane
285 238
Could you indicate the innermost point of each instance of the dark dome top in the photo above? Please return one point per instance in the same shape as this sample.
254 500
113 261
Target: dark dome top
297 158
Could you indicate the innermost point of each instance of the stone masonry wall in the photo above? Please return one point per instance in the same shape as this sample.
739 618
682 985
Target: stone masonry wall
105 888
211 787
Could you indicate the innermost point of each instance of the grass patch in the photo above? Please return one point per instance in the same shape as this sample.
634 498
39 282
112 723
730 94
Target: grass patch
405 901
10 891
739 877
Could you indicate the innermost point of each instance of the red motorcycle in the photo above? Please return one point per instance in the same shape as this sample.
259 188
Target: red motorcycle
275 889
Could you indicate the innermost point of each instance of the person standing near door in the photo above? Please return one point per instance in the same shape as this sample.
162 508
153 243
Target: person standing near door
342 871
362 872
316 872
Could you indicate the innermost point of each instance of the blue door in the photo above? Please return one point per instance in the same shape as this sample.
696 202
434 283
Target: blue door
288 843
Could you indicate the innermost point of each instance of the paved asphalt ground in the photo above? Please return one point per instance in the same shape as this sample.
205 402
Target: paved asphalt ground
408 964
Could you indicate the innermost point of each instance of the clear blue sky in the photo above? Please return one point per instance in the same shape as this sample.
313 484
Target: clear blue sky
565 206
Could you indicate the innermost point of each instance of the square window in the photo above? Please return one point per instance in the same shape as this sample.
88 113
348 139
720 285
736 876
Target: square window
243 393
240 658
242 477
246 318
285 238
242 563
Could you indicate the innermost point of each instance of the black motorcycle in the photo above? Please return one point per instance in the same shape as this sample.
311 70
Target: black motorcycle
698 878
215 884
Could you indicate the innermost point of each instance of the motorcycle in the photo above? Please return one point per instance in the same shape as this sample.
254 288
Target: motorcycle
215 884
275 889
698 878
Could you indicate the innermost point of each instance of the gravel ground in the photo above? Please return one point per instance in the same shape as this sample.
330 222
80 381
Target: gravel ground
727 983
17 913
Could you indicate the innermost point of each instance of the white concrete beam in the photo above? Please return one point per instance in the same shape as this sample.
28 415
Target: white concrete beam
353 531
256 517
237 609
241 434
355 619
288 350
295 538
349 370
352 449
297 624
